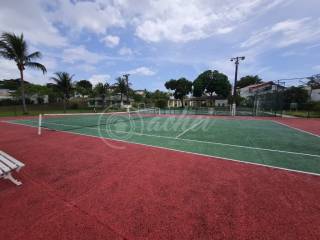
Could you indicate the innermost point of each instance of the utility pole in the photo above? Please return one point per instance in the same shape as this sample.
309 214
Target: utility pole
236 62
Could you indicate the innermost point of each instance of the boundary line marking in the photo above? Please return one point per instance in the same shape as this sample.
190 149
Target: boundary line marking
188 129
182 151
298 129
193 140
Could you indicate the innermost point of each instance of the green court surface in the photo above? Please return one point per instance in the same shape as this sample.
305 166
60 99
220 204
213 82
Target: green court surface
253 141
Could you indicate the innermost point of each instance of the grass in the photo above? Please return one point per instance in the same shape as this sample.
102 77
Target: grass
303 113
34 110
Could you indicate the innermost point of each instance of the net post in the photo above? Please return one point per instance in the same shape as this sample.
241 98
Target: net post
39 124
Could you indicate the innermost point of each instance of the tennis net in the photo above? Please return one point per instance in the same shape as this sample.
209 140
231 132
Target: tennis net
73 121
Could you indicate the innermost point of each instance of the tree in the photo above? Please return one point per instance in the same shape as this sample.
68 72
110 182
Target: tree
13 47
64 84
181 87
211 82
248 80
297 95
102 90
121 87
84 87
34 89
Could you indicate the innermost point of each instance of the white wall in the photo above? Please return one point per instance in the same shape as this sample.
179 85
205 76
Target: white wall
315 95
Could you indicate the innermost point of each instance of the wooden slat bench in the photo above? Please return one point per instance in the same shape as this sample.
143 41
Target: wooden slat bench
7 165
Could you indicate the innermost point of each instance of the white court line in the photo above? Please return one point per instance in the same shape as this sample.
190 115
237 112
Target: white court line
198 141
176 150
300 130
188 129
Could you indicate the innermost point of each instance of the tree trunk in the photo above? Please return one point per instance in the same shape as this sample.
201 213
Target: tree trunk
64 104
182 103
211 99
121 99
103 101
23 96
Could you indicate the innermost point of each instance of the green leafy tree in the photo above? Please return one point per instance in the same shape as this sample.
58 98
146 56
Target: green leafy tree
102 91
181 87
248 80
211 82
297 95
159 98
34 89
12 84
15 48
64 84
84 87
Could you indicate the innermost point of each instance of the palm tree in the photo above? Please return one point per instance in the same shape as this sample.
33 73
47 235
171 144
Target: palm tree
64 83
102 90
121 87
14 47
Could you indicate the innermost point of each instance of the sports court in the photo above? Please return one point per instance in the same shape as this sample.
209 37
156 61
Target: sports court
150 175
262 141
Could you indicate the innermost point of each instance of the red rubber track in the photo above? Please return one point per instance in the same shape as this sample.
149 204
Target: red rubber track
76 187
308 125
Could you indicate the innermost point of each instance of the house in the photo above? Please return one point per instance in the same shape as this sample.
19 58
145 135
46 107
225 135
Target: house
5 94
109 101
204 101
315 95
221 103
37 99
260 89
140 92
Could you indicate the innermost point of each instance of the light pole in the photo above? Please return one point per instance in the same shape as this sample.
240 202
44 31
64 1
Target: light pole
236 62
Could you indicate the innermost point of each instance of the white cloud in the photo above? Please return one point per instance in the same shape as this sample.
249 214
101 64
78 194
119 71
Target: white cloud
182 21
99 78
154 21
92 16
81 54
142 71
28 17
125 51
111 41
286 33
8 69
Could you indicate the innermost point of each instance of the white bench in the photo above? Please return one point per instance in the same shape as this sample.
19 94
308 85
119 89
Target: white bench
7 165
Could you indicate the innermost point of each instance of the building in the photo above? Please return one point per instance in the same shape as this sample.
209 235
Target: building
5 94
315 95
110 101
140 92
36 99
204 101
259 89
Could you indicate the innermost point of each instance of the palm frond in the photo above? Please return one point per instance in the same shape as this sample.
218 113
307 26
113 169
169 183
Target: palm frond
6 51
37 66
15 45
63 82
56 80
33 55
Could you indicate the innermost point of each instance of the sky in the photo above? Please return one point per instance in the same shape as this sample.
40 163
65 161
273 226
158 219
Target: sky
158 40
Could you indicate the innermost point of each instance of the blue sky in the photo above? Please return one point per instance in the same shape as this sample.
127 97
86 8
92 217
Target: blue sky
157 40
